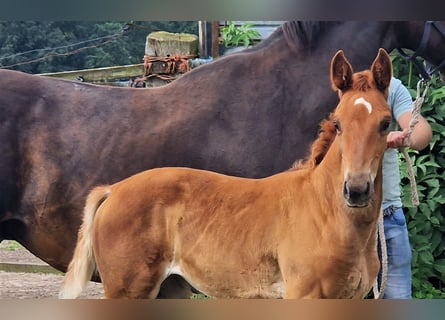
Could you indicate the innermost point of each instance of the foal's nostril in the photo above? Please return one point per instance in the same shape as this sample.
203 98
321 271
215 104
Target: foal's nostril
345 190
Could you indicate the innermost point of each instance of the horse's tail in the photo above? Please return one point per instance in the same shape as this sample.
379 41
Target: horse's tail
83 264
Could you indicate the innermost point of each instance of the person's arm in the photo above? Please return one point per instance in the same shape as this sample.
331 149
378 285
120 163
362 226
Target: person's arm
420 137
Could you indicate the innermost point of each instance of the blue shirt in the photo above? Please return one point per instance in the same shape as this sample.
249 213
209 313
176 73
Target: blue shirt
400 101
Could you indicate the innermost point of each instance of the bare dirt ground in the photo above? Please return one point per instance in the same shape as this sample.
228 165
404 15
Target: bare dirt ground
32 285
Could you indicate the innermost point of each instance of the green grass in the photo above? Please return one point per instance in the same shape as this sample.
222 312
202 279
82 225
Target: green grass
199 296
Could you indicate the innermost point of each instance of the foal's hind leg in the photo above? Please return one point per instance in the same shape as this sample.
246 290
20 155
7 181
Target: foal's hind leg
139 283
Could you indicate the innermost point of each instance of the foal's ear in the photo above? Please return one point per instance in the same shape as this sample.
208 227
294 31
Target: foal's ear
341 72
382 70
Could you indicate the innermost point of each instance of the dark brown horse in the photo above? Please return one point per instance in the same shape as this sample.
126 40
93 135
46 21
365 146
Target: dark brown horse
307 233
249 114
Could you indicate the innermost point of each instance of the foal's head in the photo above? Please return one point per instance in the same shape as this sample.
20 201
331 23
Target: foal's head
361 121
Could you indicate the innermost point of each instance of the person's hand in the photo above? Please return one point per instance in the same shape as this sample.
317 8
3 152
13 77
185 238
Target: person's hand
396 139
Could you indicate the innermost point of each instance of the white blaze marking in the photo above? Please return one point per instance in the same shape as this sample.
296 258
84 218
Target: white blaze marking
367 104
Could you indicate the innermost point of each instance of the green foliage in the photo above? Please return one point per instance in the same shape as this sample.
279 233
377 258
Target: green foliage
23 41
233 35
426 223
427 291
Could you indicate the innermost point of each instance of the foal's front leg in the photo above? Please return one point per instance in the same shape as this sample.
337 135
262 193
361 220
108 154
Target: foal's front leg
308 290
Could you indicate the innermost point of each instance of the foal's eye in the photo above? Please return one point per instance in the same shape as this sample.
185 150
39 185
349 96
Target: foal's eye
384 125
337 126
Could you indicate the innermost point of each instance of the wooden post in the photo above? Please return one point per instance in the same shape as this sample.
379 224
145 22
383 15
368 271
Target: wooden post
202 34
215 39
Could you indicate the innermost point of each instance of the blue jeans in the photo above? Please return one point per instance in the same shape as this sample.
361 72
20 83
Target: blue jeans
398 282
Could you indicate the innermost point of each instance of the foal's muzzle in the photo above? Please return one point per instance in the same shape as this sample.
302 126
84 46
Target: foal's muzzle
357 190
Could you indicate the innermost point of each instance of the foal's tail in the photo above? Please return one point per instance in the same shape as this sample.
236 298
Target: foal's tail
83 264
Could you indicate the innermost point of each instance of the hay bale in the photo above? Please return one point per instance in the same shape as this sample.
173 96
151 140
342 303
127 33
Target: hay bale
162 44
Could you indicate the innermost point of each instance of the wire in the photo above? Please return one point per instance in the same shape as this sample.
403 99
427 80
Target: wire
110 38
55 48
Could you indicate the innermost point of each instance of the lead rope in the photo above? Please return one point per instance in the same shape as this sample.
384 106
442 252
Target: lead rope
414 119
417 104
380 234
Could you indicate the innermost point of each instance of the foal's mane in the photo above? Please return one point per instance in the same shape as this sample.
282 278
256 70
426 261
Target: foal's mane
319 147
363 81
